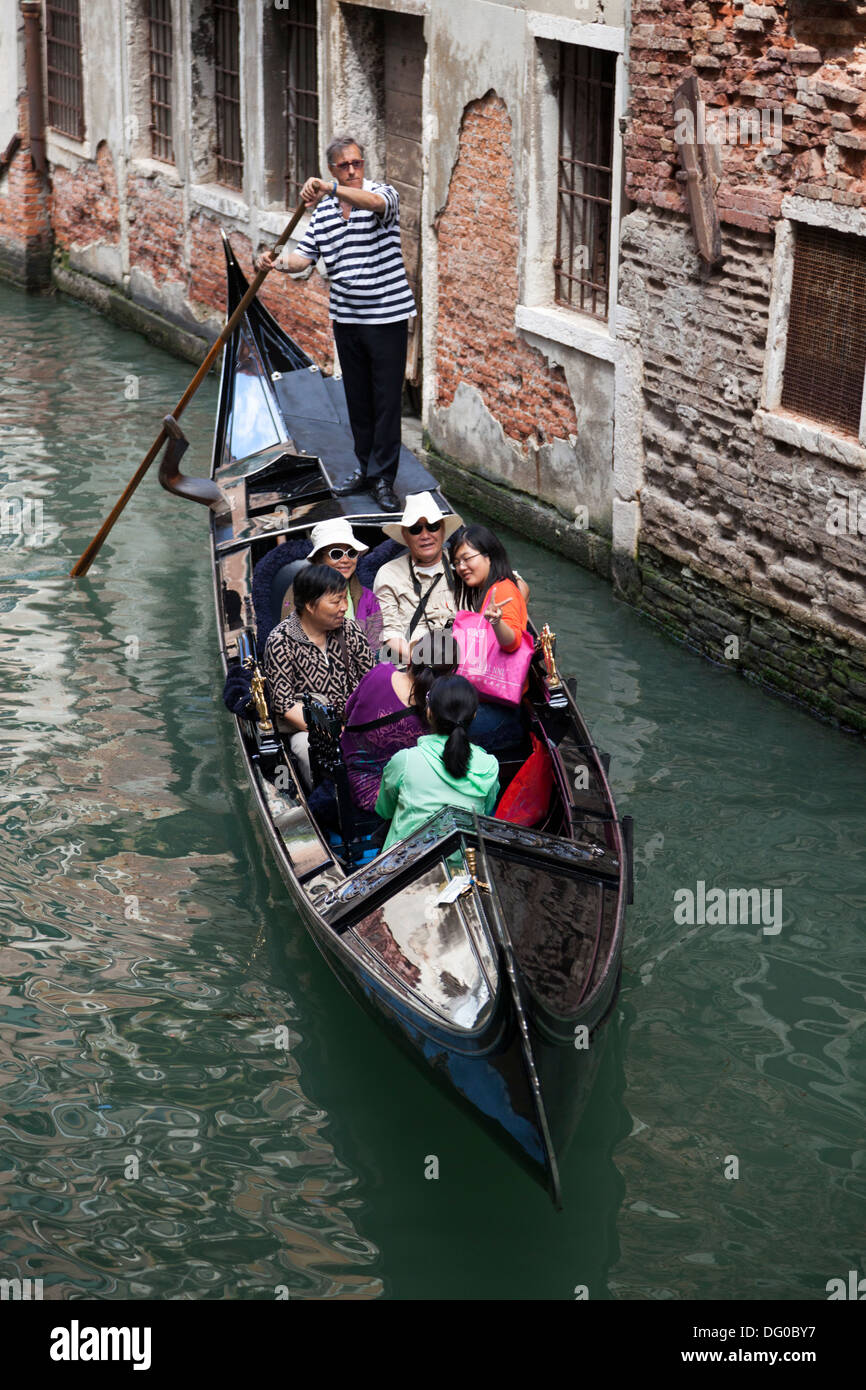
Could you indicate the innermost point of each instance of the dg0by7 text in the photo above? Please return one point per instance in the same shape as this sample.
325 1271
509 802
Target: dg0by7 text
723 1333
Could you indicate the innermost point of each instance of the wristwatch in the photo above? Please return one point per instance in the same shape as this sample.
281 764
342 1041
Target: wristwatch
334 186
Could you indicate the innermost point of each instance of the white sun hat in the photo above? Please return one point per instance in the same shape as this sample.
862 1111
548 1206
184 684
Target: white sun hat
337 531
421 505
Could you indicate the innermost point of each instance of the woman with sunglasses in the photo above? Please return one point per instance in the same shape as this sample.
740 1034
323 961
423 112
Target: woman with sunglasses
335 544
487 584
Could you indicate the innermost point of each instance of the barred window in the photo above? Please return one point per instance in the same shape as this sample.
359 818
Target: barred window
227 93
825 359
161 58
63 49
587 86
302 96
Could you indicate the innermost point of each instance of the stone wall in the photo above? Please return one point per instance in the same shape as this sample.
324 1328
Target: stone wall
802 59
737 553
818 671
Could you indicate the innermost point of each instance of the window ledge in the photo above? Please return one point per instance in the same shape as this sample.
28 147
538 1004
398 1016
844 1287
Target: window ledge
65 150
156 168
569 328
218 198
814 438
273 220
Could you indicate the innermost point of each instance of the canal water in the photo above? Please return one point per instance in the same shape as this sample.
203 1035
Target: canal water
155 1142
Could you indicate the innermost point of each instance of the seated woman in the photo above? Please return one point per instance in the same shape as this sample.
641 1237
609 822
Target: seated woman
317 651
335 544
387 713
488 585
443 769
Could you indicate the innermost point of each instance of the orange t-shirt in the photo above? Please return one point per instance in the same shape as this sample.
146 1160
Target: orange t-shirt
514 613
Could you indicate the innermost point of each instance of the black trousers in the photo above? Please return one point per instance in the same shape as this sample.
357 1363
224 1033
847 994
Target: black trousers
373 362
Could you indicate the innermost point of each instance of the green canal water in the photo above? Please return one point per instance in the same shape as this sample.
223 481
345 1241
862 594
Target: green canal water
155 1143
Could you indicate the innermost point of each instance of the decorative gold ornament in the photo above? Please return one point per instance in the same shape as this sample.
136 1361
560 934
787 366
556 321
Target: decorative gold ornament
471 865
547 639
257 693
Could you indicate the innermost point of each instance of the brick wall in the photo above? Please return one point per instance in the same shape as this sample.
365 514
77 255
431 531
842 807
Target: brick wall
300 307
478 290
156 231
805 59
25 221
84 206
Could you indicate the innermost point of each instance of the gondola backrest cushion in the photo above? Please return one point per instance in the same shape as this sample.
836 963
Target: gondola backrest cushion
268 581
370 564
282 583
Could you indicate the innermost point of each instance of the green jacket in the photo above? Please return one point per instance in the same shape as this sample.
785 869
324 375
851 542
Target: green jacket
415 785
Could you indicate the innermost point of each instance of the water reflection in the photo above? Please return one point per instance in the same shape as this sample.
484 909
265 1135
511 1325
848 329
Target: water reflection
155 1133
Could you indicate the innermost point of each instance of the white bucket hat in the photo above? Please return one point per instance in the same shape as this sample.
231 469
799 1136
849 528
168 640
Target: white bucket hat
337 531
418 505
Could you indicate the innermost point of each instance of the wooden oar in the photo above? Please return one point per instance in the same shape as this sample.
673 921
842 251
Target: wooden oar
82 565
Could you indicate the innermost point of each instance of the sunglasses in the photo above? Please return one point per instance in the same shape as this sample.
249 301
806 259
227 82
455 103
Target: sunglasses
420 526
337 552
348 164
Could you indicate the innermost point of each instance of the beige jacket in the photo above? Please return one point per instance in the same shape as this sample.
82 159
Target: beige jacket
398 600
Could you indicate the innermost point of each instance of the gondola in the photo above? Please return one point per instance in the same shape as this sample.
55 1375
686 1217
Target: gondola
490 951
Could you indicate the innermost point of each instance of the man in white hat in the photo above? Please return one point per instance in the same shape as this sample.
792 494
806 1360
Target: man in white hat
416 591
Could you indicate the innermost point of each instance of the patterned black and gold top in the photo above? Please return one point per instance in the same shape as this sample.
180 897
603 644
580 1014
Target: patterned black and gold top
295 666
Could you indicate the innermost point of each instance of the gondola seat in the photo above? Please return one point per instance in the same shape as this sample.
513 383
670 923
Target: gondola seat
272 576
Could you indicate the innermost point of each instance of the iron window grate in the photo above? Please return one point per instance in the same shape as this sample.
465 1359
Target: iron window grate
302 96
161 59
825 359
63 52
227 93
587 85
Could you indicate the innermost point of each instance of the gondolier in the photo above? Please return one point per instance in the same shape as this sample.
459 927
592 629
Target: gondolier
355 229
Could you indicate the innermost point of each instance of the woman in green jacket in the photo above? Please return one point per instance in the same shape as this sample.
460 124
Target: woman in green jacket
443 769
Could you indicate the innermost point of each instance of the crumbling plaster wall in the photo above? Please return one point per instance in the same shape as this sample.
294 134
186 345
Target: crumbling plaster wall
572 468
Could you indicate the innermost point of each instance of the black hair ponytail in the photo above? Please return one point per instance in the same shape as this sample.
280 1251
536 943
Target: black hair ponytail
457 752
453 705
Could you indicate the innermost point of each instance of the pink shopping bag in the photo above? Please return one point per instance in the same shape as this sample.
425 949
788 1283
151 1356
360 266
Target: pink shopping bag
496 675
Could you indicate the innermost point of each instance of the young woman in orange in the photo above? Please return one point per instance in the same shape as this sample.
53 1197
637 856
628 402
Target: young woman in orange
488 585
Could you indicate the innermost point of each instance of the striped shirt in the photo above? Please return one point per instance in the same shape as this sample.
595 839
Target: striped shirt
363 258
